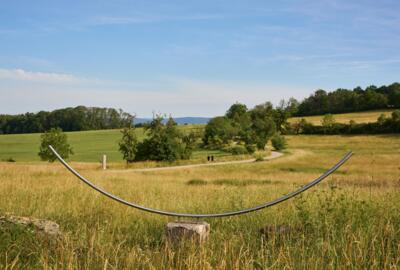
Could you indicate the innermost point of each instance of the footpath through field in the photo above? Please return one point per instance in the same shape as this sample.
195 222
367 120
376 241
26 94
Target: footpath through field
273 155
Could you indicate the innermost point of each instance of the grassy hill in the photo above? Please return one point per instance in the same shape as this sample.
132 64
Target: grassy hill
88 146
359 117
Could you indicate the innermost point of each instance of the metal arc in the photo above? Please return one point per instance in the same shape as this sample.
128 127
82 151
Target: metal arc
224 214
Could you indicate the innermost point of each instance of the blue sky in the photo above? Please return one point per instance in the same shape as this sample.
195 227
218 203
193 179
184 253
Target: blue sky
190 58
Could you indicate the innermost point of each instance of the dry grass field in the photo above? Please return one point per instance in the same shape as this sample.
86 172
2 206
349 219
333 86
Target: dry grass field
359 117
350 221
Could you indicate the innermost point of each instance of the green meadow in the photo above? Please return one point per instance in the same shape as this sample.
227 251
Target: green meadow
88 146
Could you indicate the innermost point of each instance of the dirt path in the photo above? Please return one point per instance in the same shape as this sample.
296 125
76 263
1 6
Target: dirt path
273 155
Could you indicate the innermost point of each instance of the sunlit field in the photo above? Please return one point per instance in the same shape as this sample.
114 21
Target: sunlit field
358 117
351 220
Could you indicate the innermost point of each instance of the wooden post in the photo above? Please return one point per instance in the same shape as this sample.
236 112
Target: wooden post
104 162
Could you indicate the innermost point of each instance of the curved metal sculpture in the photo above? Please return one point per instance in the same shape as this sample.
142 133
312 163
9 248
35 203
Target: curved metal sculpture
226 214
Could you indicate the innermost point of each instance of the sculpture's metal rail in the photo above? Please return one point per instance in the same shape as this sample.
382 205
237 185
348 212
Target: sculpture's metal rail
226 214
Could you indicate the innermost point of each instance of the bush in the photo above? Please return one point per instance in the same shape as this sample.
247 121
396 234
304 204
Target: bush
278 142
237 150
396 115
250 148
56 138
259 157
197 182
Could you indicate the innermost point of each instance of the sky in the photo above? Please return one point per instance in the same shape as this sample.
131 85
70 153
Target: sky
190 58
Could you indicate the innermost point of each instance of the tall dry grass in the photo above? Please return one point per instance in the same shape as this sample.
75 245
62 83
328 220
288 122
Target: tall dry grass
352 220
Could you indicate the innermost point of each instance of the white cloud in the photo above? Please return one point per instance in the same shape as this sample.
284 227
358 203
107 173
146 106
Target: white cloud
23 91
23 75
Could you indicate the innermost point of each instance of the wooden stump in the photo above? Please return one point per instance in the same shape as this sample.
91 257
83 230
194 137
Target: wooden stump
197 231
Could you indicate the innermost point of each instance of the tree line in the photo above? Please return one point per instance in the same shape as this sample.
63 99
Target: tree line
69 119
345 100
92 118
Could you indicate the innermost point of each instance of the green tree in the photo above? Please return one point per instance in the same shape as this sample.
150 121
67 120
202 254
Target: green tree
241 122
218 132
396 115
263 125
58 140
292 106
278 142
262 130
328 122
237 110
281 115
190 142
165 142
394 95
172 145
128 144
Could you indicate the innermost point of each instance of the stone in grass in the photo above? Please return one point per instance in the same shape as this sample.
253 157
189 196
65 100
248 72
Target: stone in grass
179 231
41 226
279 231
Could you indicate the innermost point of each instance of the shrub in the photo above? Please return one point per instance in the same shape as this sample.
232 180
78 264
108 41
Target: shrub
197 182
278 142
56 138
259 157
381 119
250 148
237 150
396 115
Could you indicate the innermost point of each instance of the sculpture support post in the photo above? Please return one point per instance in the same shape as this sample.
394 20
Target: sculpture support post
195 231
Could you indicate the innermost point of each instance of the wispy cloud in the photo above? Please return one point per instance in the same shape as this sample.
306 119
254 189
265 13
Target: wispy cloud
149 18
34 91
30 76
362 64
8 31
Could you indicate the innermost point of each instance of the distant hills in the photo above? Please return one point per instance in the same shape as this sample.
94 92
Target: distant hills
179 120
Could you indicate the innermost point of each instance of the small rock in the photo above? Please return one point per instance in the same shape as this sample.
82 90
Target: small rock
42 226
188 230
